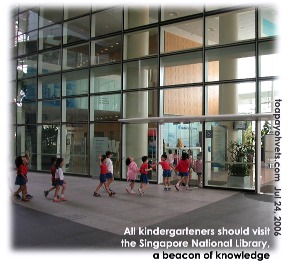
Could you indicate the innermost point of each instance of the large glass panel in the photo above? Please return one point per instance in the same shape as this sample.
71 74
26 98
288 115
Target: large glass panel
268 59
71 11
172 12
105 137
28 21
106 50
139 16
75 148
235 98
76 56
105 107
27 43
50 15
182 101
50 37
76 109
106 78
230 159
76 30
50 61
140 74
181 36
268 93
26 113
75 82
107 22
50 86
268 21
27 90
140 104
141 44
27 67
48 135
49 111
181 69
229 63
230 27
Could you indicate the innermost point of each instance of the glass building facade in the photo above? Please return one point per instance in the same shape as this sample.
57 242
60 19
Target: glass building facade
76 73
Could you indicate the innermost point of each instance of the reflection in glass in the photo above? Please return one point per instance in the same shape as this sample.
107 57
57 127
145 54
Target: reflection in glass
50 15
28 88
268 93
50 37
76 109
106 50
50 61
28 21
268 21
71 11
76 30
50 86
269 59
76 82
49 111
106 78
105 107
76 56
168 12
27 67
27 43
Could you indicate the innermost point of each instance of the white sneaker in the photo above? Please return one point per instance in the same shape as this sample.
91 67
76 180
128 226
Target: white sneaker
177 187
133 192
141 192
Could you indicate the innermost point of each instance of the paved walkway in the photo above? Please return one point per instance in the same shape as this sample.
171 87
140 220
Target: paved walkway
84 221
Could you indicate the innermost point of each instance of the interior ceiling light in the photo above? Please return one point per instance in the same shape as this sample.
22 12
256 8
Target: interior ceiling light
173 13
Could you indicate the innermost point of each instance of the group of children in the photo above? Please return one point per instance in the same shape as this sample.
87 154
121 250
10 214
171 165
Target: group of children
183 166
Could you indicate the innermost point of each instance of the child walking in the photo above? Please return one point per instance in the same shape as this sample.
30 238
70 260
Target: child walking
132 170
166 171
59 181
110 170
183 170
198 167
102 176
52 171
144 169
21 179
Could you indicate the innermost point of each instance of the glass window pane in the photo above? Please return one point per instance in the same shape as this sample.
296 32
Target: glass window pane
181 36
50 86
49 145
28 21
181 69
75 148
71 11
268 59
50 37
140 104
27 67
76 56
50 61
141 44
182 101
230 27
27 43
236 62
106 78
29 89
268 22
77 30
106 50
269 92
49 111
168 12
76 83
50 15
107 22
140 74
76 109
105 107
235 98
140 16
26 113
105 137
